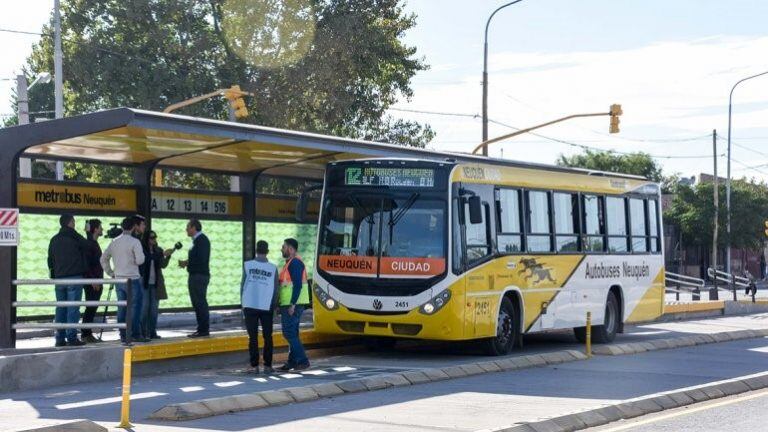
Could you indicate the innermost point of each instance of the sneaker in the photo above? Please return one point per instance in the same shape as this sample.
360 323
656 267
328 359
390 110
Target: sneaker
76 342
61 343
254 370
90 339
155 336
301 367
268 370
285 368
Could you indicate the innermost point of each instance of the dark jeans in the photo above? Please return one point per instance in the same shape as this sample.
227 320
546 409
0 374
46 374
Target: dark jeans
71 314
91 294
198 289
252 319
149 310
296 354
122 294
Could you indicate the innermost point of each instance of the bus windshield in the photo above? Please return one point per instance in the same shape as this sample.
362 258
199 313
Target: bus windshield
400 236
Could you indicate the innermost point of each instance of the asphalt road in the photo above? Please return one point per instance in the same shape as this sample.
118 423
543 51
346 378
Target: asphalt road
467 404
744 412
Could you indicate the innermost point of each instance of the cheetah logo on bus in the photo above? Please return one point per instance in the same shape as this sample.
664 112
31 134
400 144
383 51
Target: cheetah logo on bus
533 268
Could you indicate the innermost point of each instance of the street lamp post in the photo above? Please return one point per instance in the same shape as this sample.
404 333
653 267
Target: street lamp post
485 74
22 103
728 178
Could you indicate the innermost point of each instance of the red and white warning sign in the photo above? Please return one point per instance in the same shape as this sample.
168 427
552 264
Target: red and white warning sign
9 227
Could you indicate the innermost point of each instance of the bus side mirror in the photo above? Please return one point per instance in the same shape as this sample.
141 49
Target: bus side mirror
475 210
303 202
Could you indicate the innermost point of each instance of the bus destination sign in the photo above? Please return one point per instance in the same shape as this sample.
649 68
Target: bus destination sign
385 176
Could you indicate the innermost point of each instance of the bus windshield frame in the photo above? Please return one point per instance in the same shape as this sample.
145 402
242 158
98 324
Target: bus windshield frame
381 239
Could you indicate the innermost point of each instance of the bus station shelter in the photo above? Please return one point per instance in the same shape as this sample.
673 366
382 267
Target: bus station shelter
145 141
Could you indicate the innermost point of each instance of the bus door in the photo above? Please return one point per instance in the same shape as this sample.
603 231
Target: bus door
479 248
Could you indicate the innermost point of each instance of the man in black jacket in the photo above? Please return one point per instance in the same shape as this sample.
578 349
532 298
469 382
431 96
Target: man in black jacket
66 260
198 267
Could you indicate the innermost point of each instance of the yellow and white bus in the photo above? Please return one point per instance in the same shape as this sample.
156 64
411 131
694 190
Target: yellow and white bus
461 251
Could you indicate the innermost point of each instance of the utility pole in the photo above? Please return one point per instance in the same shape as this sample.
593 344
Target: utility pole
713 292
58 75
22 102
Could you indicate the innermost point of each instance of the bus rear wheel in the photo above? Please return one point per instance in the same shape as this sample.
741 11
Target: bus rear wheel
605 333
506 330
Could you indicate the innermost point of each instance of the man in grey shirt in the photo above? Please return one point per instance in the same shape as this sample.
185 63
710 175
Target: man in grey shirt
127 254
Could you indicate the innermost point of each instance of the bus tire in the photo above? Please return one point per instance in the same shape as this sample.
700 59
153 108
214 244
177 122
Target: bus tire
506 330
378 343
605 333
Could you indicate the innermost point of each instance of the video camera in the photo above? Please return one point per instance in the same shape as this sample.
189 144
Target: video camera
114 232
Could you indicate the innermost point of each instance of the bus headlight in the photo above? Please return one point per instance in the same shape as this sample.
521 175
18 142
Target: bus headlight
326 300
436 303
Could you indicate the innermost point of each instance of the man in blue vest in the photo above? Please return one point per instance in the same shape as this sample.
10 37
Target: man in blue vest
259 296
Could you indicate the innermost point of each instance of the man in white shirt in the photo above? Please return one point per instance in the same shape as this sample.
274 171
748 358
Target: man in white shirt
259 299
127 254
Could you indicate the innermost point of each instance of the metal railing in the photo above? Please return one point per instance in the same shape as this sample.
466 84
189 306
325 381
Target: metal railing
126 326
683 282
732 280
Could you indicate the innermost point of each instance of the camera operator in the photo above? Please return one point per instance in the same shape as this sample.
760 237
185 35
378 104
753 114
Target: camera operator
128 255
154 283
93 270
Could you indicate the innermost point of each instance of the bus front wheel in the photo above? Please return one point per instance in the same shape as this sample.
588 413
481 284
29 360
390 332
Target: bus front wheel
607 332
506 330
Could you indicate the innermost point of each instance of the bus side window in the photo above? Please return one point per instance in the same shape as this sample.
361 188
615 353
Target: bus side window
458 249
509 221
593 223
477 236
653 225
566 222
616 212
539 226
638 225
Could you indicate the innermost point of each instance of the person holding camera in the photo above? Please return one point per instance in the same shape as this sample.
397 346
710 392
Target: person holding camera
93 270
128 255
153 283
198 267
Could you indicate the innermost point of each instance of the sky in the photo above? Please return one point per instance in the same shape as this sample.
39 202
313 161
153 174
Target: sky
671 64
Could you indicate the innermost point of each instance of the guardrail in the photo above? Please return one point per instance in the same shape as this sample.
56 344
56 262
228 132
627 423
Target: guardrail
68 303
681 281
732 280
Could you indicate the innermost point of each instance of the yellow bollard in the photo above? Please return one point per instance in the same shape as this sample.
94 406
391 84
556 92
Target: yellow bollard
125 409
589 334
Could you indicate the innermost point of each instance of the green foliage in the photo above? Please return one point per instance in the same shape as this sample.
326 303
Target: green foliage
693 209
638 163
149 54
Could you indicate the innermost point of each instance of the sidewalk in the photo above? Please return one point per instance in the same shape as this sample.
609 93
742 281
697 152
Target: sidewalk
489 400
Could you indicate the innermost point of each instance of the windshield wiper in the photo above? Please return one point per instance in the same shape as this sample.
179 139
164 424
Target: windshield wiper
393 220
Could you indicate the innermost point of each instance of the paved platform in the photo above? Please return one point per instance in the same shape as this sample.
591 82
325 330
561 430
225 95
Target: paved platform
460 404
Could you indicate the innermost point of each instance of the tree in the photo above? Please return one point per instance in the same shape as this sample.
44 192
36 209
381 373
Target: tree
325 66
638 163
692 209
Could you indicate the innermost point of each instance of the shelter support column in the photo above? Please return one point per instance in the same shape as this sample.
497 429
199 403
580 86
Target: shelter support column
8 179
142 178
248 191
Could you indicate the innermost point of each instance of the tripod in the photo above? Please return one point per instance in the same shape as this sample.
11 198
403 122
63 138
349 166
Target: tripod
106 308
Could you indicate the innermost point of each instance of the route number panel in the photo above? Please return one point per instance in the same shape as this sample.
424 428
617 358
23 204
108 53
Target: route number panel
188 203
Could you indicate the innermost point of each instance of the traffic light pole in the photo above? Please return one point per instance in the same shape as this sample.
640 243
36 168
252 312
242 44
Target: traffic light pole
615 112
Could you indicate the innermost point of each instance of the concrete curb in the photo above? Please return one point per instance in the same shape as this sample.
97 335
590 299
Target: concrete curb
642 406
229 404
677 342
80 426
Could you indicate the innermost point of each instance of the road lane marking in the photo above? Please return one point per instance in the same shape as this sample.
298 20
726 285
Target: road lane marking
686 411
191 389
289 376
344 369
105 401
228 384
315 372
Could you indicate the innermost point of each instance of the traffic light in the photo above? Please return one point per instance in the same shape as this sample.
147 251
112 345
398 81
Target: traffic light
236 102
766 228
615 113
